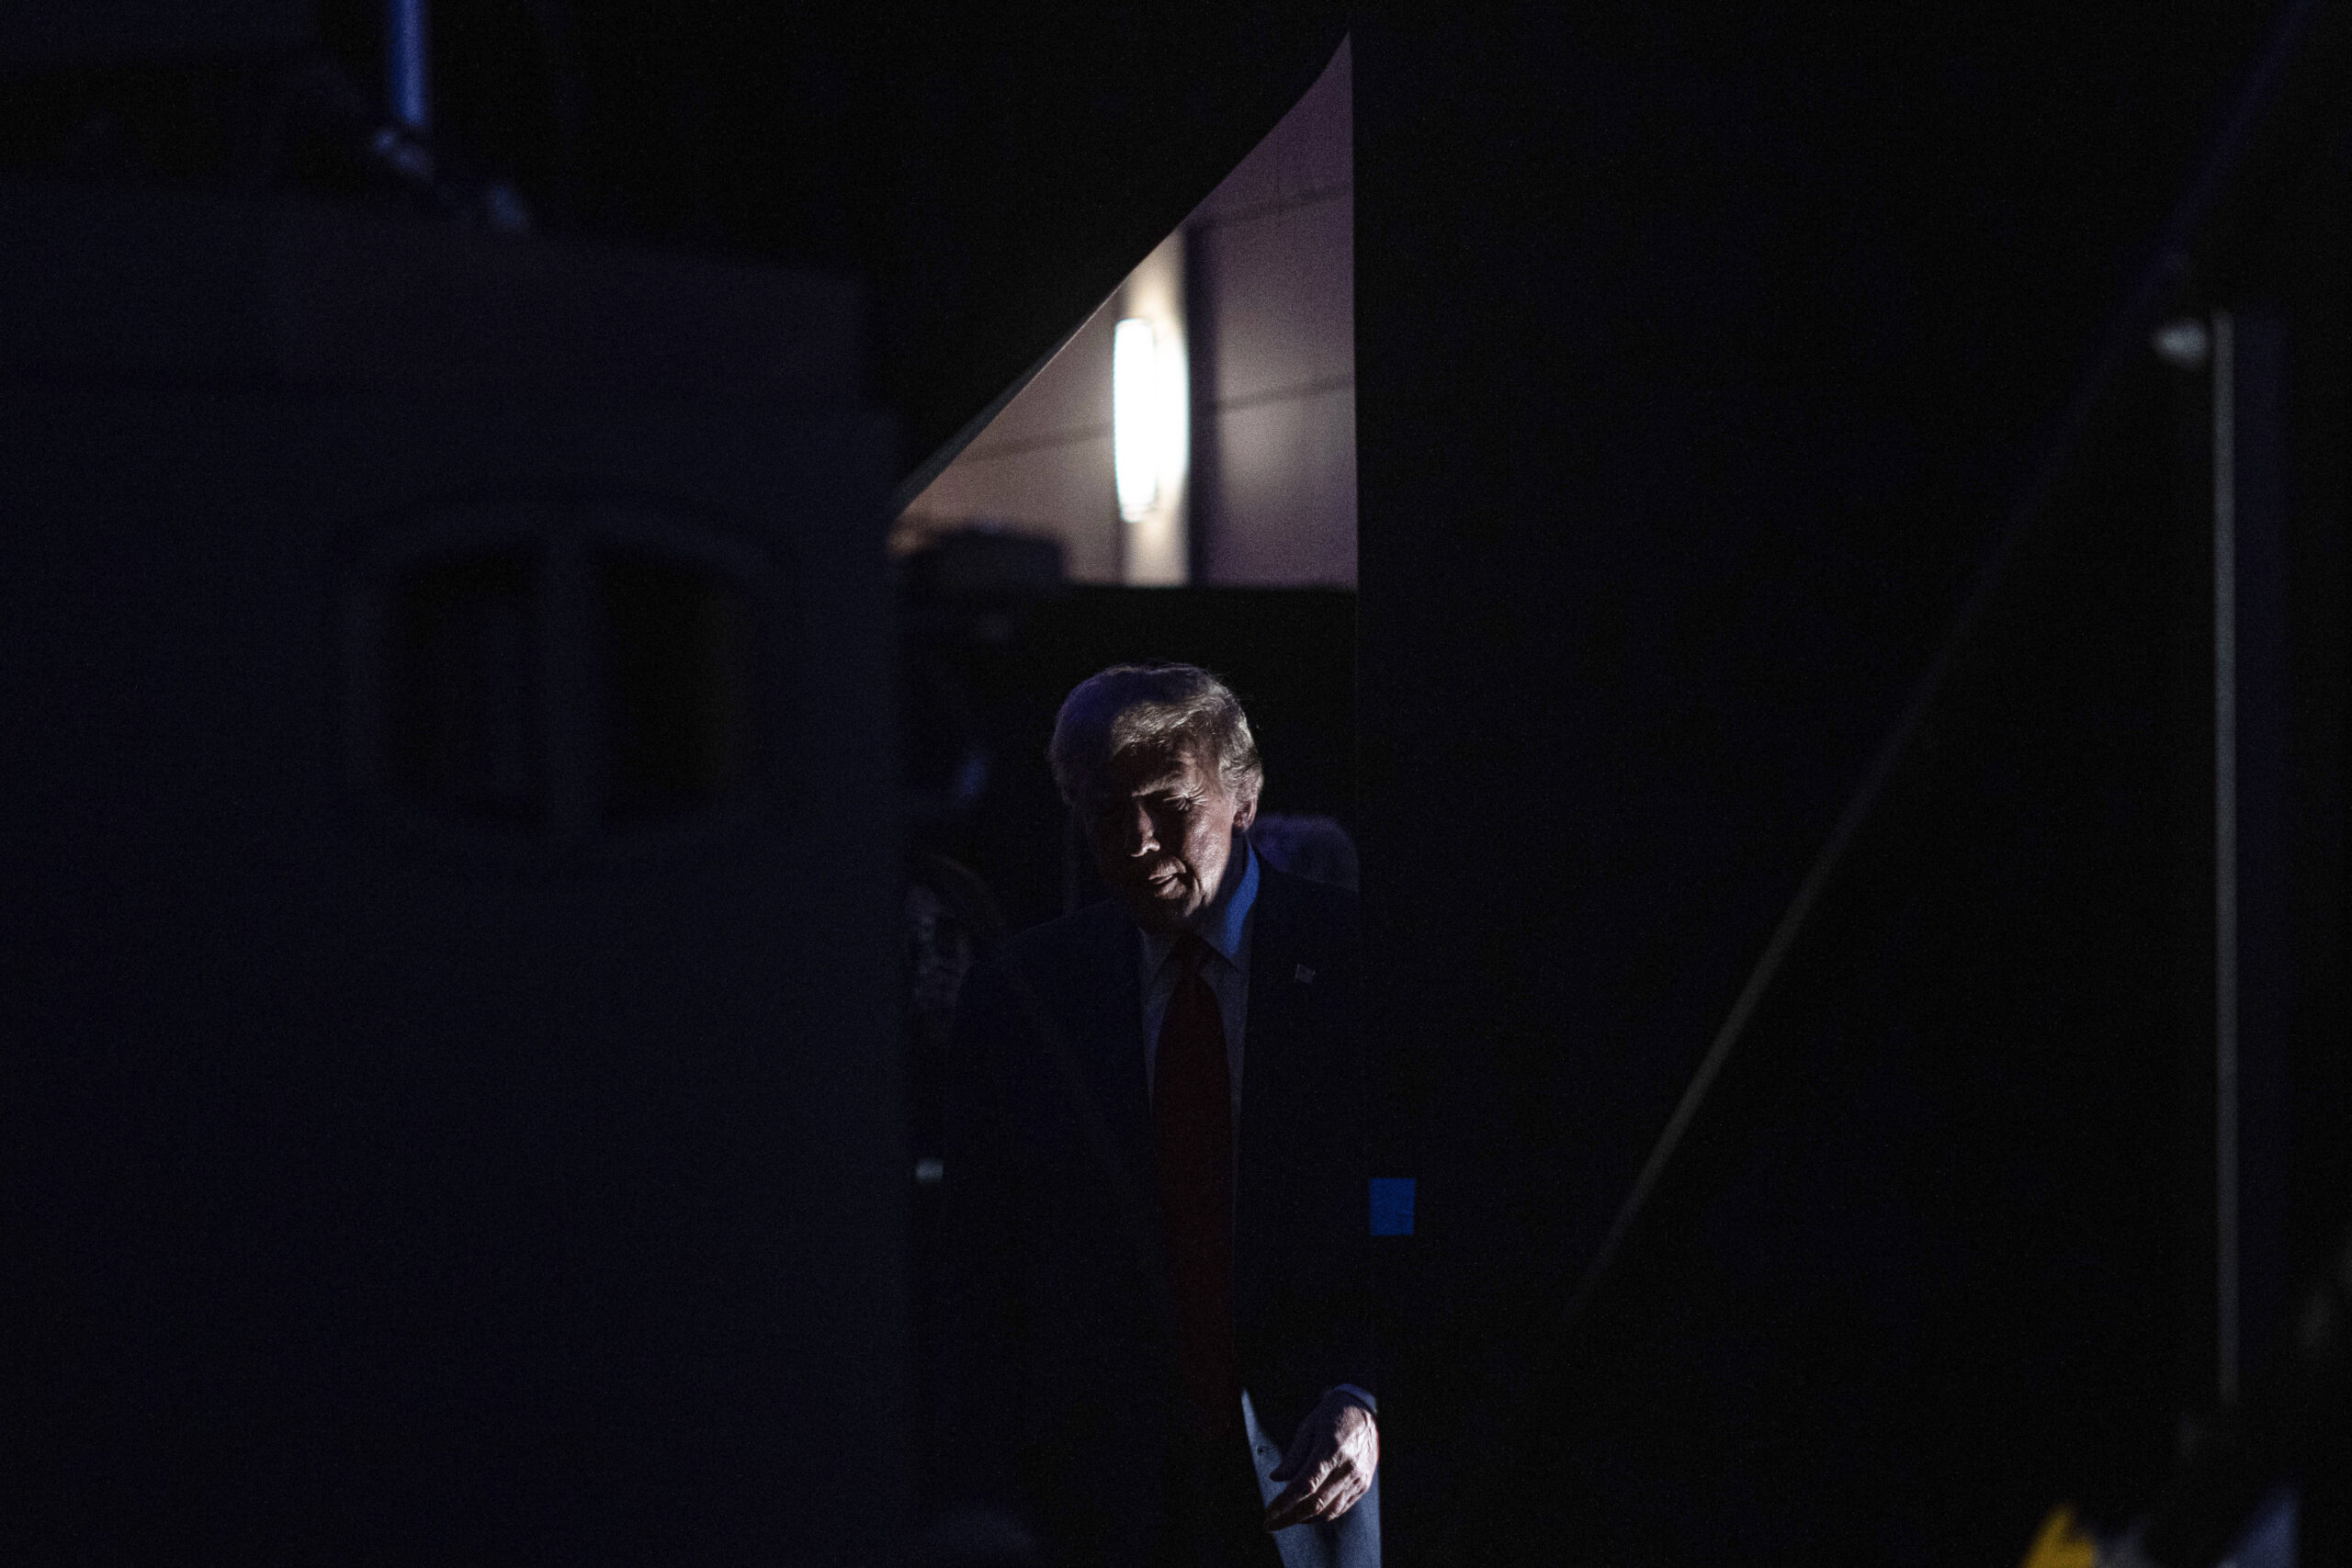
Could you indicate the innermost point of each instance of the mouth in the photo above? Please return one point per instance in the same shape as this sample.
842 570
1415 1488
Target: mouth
1164 883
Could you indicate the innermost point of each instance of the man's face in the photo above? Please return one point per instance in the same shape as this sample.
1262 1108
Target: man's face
1162 827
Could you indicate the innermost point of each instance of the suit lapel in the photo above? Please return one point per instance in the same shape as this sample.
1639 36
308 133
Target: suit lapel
1279 1014
1278 993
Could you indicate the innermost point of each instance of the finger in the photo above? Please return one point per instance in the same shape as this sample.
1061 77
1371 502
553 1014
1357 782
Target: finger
1291 1505
1340 1499
1340 1491
1314 1506
1308 1499
1298 1514
1294 1503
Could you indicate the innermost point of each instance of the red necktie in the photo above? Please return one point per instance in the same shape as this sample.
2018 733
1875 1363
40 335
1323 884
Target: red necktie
1192 1113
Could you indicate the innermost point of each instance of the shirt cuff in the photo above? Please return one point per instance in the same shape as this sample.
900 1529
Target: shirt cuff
1359 1395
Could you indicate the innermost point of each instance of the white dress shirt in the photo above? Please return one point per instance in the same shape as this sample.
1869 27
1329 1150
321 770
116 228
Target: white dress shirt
1224 926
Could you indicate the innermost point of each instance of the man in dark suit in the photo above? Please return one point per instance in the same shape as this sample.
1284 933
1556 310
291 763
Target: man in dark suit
1155 1198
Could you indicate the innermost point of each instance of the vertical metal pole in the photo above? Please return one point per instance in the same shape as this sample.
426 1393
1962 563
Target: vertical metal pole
2225 857
407 64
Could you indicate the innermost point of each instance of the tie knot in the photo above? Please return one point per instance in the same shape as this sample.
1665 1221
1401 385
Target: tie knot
1192 950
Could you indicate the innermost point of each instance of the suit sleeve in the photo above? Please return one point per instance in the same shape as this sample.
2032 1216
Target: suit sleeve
980 1430
1358 1335
1356 1340
1324 1328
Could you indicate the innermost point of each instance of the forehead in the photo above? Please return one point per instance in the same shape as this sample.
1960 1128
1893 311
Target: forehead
1156 770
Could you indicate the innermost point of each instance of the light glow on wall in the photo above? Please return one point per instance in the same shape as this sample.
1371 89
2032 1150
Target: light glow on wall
1139 437
1151 420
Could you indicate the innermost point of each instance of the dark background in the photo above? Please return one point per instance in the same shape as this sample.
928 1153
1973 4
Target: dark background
1705 354
1743 333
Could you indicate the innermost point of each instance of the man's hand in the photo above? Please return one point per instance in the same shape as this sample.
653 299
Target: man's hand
1329 1464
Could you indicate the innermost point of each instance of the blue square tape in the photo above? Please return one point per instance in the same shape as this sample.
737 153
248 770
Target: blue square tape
1391 1206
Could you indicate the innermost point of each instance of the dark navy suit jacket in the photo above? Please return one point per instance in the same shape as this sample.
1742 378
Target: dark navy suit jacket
1058 1383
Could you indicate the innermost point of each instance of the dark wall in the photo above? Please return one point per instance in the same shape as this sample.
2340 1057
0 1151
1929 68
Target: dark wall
988 174
1702 357
446 868
991 173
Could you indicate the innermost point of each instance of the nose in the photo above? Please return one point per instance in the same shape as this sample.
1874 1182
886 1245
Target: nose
1141 838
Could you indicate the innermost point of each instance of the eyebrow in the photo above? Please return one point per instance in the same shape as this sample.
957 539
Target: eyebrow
1173 783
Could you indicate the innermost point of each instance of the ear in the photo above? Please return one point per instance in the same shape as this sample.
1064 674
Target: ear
1245 812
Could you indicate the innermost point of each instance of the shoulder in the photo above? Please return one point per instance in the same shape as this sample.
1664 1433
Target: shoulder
1036 963
1067 966
1065 958
1097 928
1329 912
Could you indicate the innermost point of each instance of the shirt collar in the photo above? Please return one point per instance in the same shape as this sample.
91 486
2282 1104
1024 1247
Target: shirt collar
1224 924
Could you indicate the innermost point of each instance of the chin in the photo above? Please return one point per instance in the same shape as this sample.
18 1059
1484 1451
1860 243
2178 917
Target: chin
1173 907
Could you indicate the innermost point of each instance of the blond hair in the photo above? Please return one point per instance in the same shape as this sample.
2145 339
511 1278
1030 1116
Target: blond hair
1175 707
